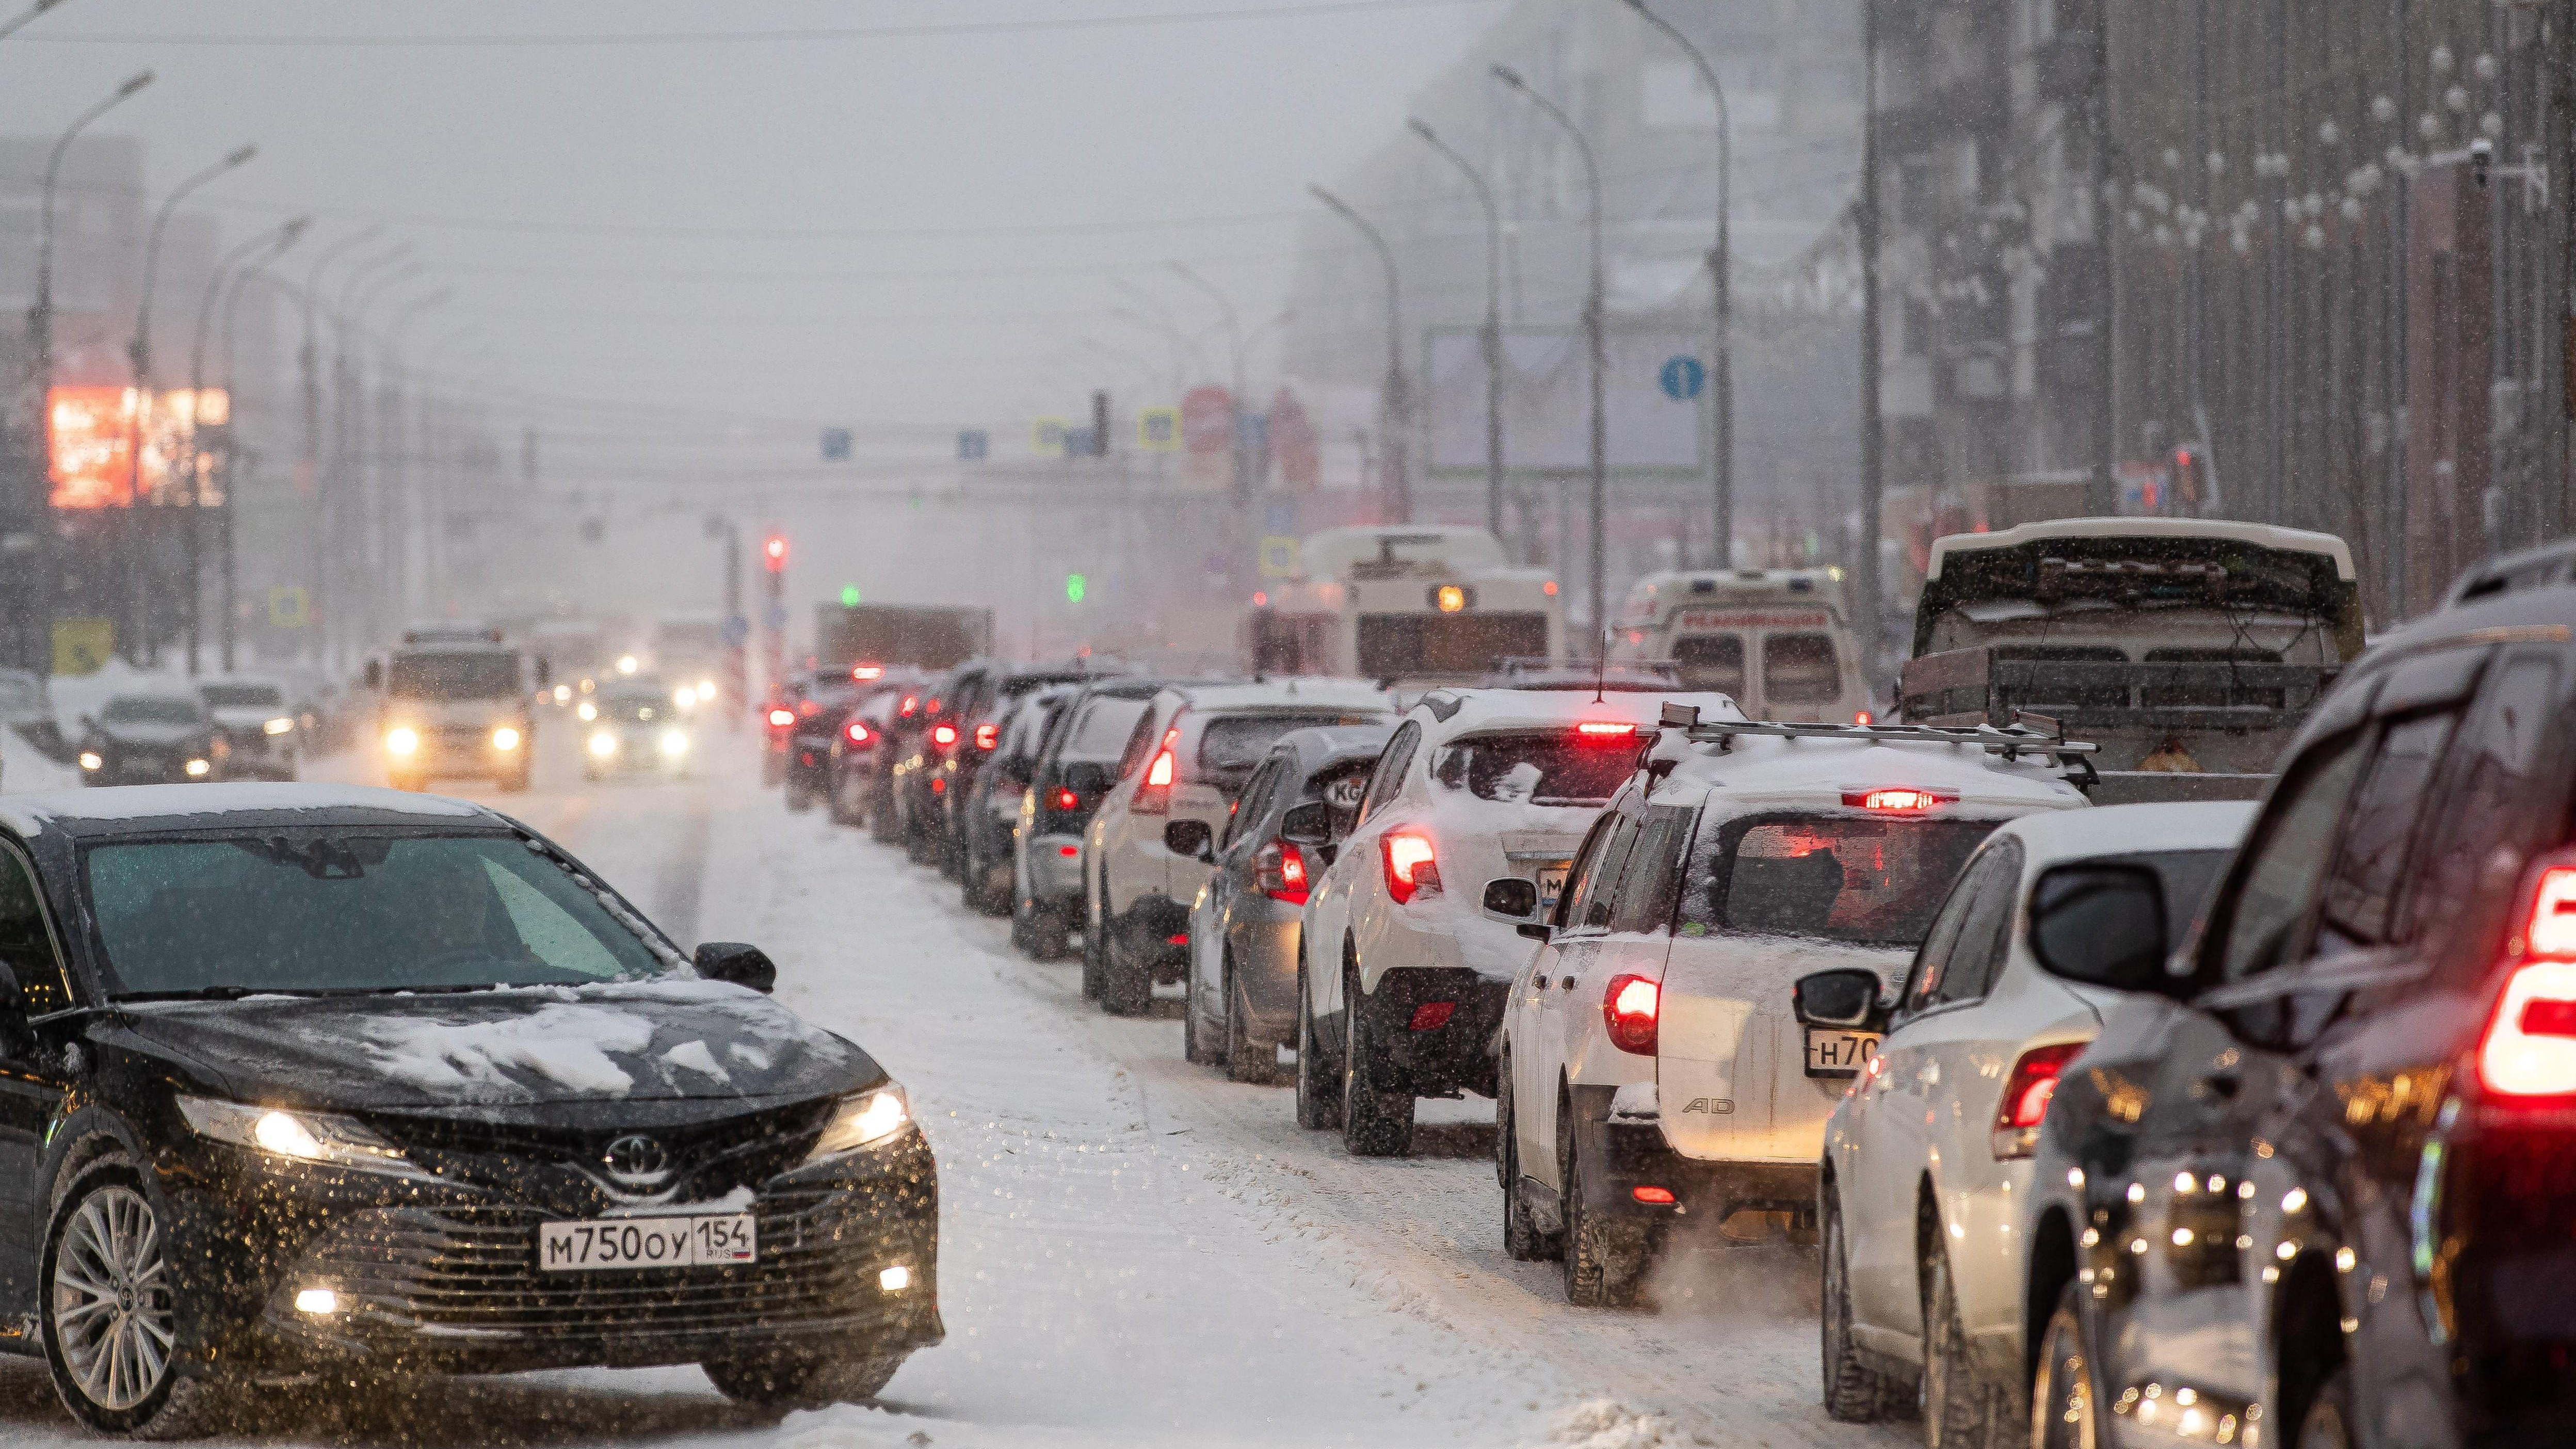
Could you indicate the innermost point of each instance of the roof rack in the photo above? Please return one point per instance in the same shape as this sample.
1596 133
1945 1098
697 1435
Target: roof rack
2029 734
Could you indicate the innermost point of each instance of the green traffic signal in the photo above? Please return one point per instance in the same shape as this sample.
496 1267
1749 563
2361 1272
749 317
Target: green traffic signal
1074 586
849 596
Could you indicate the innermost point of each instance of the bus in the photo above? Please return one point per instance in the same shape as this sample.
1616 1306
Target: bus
1418 606
1777 641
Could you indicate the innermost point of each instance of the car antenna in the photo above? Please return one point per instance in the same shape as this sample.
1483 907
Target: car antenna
1601 670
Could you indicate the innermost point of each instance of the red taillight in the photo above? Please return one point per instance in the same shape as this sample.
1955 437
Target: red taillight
2027 1091
932 707
781 718
1181 938
943 735
1412 866
1630 1008
1655 1196
1863 717
857 733
1433 1015
1154 797
2530 1045
808 708
911 706
1067 800
939 785
1603 729
1068 851
1279 869
987 736
1899 800
862 673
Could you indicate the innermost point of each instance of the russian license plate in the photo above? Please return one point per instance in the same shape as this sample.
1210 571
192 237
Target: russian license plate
1839 1053
1551 884
689 1242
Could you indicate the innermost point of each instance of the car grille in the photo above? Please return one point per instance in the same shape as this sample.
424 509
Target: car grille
461 737
472 1271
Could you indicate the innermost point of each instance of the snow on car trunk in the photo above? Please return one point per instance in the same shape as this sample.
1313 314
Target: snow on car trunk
1730 1062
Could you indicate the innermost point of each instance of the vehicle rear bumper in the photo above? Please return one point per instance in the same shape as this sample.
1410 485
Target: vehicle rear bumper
1055 878
1155 929
1622 1154
1442 1061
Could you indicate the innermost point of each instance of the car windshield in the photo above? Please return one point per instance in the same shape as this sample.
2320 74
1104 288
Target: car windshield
142 709
482 674
1865 880
635 707
241 696
1537 767
346 912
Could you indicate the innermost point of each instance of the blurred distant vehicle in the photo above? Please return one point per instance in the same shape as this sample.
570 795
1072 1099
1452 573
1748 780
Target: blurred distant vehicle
691 652
150 739
1417 607
977 696
1076 766
639 728
27 708
1776 641
259 732
790 699
455 707
988 815
1652 676
322 707
808 766
927 637
852 782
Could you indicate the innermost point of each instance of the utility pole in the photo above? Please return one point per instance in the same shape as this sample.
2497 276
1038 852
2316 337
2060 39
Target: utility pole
1493 330
2102 498
1868 611
1395 403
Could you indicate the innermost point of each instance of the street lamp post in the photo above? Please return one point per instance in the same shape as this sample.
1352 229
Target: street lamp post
40 329
1493 338
139 353
1721 282
1596 304
275 240
1393 402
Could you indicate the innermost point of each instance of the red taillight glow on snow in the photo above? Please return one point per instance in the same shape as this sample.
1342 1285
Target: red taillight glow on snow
1657 1196
1067 800
1433 1015
857 733
2530 1045
1412 866
1604 729
1630 1008
781 718
1899 800
987 736
2027 1091
943 735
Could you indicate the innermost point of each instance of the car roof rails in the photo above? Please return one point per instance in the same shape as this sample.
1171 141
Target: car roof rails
2028 734
2549 566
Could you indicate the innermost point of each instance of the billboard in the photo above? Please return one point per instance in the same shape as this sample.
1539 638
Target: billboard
1655 408
94 430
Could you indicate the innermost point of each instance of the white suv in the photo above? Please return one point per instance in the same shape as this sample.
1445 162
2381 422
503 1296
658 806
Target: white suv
1402 974
1653 1072
1927 1165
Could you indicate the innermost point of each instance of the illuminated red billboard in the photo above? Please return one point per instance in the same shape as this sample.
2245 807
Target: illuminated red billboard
93 442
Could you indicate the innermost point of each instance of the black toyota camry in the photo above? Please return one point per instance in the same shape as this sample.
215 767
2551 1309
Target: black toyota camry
301 1080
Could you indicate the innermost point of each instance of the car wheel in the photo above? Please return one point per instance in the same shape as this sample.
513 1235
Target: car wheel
880 813
1192 1050
1126 984
1254 1063
110 1314
797 1381
2328 1422
1958 1411
1602 1265
1855 1392
1319 1101
1522 1240
2065 1402
800 795
1095 946
1376 1122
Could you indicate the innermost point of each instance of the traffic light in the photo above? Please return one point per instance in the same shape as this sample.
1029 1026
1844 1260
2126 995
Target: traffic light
849 596
773 551
2191 475
1074 587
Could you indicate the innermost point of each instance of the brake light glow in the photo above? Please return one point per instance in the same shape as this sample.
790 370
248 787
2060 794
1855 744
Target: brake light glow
1067 800
857 733
911 706
1159 773
1068 851
781 718
1603 729
931 706
809 708
862 673
1154 797
1412 866
939 785
1863 717
987 736
1899 800
1654 1196
1630 1009
2529 1049
2027 1090
1279 870
943 735
1433 1015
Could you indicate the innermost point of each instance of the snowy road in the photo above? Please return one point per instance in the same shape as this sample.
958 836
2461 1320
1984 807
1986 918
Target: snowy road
1136 1252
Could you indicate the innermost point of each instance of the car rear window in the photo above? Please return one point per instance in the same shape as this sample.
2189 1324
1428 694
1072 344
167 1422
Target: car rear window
1232 744
1396 646
133 710
1868 881
1800 669
1537 767
230 696
1101 733
1711 661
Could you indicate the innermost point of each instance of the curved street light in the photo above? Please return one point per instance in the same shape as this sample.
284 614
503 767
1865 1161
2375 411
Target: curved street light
1391 400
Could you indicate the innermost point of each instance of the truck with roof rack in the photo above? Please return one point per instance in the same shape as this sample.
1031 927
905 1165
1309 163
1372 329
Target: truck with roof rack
1416 606
2188 649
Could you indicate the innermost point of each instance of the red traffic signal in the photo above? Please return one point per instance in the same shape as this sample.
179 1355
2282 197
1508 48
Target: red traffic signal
774 550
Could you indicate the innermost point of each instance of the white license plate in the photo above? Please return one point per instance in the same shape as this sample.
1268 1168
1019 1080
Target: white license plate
687 1242
1839 1053
1551 884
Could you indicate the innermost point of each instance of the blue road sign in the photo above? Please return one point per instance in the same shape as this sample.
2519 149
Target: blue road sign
1280 516
974 444
836 445
737 630
1256 432
776 616
1683 377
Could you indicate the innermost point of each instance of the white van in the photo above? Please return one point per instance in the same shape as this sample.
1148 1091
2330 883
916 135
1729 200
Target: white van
1777 641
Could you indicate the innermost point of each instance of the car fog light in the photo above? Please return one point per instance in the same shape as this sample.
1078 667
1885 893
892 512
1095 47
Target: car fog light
675 743
894 1279
278 726
197 769
505 739
401 740
90 760
586 711
317 1301
603 744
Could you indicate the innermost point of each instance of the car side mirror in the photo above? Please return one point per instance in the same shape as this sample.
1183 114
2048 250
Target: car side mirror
2103 925
737 962
1843 999
375 674
1512 898
1308 824
1190 838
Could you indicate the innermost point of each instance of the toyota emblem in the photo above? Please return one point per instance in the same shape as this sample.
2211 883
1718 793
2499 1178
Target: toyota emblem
637 1163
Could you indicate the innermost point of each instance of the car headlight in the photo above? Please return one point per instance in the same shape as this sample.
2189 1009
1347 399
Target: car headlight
197 769
505 739
562 692
863 1121
401 740
603 744
279 726
685 695
587 711
675 743
296 1136
91 760
706 689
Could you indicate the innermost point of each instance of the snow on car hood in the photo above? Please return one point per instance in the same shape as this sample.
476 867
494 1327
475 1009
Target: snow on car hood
524 1047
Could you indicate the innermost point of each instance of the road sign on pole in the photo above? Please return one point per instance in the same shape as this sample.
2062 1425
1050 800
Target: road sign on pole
974 445
1046 435
1683 377
836 445
1158 430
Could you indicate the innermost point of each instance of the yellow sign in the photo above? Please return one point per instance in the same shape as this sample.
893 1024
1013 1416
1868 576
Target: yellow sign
83 646
287 607
1047 435
1158 430
1281 557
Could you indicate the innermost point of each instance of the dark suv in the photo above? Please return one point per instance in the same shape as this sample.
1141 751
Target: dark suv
2321 1187
977 697
1076 766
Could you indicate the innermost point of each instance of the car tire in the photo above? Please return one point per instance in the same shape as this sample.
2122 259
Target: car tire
1522 1240
1856 1392
2066 1398
880 814
1603 1265
837 804
1960 1411
800 795
2329 1421
109 1228
797 1381
1253 1063
1319 1097
1192 1050
1376 1122
1126 984
1095 944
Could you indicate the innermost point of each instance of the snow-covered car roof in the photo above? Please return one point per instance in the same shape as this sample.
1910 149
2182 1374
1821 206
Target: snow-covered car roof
2128 829
135 809
1449 713
1302 693
2262 535
1761 772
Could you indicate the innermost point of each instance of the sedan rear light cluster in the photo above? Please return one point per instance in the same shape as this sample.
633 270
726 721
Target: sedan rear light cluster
1412 866
781 717
2530 1045
1279 870
988 735
1065 799
2027 1091
1154 797
1632 1009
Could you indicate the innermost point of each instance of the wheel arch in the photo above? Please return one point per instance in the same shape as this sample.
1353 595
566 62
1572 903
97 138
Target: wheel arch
2050 1267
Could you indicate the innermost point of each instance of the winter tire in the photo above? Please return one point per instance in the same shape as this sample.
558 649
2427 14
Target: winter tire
1522 1241
1959 1411
800 796
2328 1423
1254 1063
1855 1391
1375 1122
110 1314
786 1381
1602 1265
880 816
1126 986
2065 1398
1193 1050
1319 1102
